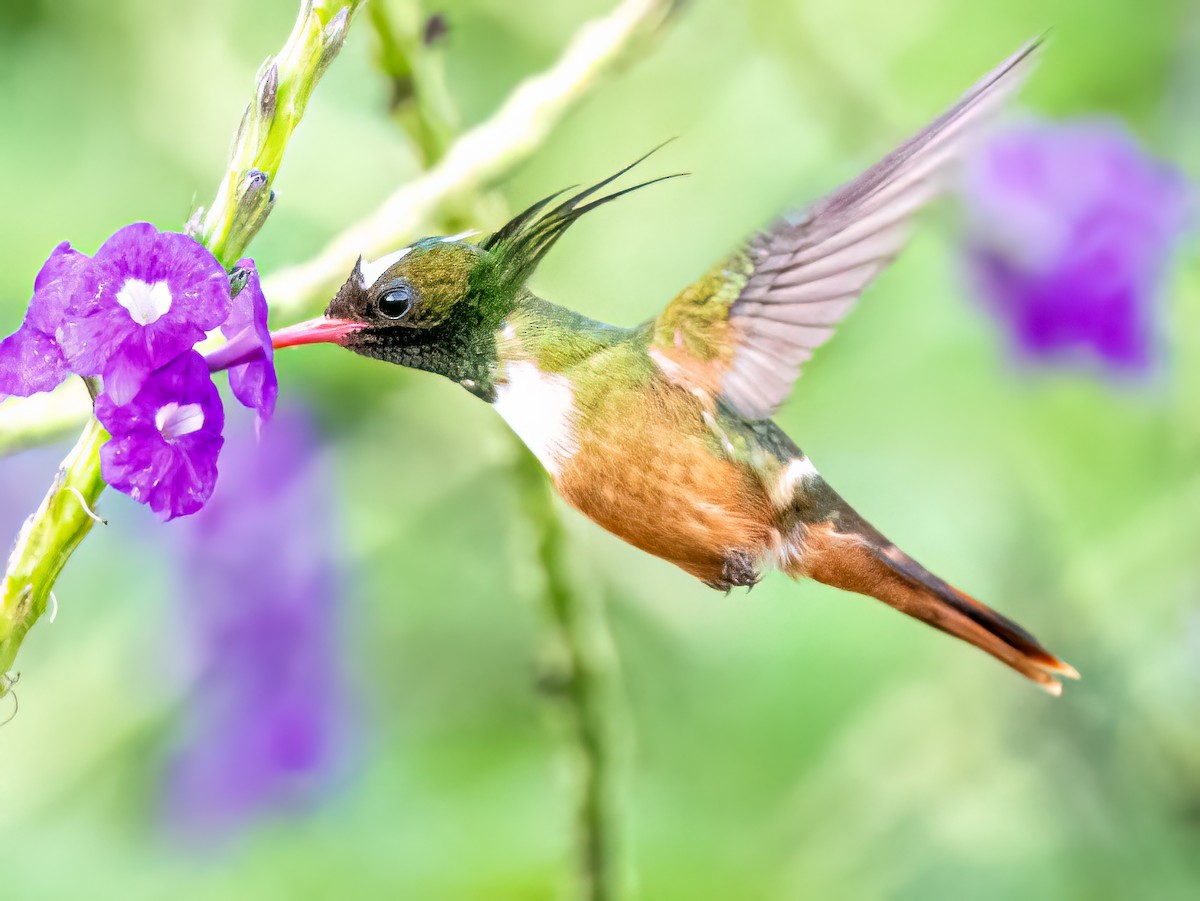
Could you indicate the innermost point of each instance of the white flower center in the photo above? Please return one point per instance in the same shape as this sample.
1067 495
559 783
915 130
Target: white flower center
175 421
146 303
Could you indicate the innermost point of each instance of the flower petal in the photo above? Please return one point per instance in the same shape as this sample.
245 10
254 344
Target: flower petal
52 289
126 372
30 358
154 295
255 383
30 361
173 470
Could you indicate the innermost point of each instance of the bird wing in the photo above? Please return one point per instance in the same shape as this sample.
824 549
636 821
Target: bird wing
743 331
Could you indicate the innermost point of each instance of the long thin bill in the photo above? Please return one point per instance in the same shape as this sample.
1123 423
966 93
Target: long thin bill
321 330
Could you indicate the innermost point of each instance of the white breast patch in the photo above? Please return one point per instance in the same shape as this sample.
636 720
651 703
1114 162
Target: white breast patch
540 408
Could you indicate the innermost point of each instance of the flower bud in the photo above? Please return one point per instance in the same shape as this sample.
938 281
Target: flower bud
436 28
332 39
267 95
253 184
255 199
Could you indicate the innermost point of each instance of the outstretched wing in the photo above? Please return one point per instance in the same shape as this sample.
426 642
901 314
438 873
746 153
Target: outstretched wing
744 330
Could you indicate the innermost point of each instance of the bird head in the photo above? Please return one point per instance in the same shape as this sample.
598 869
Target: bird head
429 306
439 304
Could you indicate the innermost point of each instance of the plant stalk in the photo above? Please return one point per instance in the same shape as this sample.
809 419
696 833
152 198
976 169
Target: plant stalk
243 201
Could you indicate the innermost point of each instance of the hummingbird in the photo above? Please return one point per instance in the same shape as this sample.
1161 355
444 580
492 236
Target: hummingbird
662 433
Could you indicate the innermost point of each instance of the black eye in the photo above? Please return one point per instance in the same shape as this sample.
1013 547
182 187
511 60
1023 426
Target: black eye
397 302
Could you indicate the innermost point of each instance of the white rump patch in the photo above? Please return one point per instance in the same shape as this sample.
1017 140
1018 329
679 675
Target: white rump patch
146 303
372 270
539 407
175 421
784 490
783 552
469 233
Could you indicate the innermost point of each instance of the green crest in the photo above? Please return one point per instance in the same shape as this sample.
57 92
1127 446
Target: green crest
519 246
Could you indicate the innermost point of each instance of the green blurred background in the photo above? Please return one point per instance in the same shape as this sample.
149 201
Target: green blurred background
790 743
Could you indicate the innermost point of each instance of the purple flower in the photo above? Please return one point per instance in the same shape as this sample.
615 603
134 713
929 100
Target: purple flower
266 724
144 299
166 440
248 355
30 359
1071 228
149 296
134 313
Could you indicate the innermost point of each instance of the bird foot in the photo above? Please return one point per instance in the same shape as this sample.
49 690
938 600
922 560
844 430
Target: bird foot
737 571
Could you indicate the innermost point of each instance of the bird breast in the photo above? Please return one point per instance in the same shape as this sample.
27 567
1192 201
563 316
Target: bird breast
540 408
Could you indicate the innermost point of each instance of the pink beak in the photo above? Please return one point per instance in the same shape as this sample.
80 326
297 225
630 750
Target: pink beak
321 330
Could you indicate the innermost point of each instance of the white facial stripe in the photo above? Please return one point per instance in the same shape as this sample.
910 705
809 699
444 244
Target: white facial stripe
146 303
372 270
539 407
784 491
175 421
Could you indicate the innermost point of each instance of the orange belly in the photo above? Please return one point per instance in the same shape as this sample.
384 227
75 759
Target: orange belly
646 473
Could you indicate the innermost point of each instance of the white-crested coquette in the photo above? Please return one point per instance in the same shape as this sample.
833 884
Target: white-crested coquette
662 433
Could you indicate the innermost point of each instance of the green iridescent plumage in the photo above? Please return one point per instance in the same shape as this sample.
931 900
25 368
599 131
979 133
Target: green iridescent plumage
661 433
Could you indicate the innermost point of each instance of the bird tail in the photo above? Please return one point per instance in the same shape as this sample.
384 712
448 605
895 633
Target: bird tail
859 559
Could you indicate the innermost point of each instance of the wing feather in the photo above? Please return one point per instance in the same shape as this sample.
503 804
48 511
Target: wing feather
805 274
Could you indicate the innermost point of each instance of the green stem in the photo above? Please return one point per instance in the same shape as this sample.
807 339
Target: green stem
577 668
578 675
243 201
421 102
283 86
46 542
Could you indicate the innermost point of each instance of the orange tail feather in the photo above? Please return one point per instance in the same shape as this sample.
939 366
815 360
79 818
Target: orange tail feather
879 569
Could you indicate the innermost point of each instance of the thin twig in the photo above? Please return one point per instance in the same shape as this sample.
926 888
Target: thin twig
579 676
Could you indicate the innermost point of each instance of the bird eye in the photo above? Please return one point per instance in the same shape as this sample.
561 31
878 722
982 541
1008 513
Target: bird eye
396 303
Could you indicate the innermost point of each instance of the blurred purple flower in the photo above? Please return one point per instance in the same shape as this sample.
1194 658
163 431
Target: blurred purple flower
30 358
249 355
165 442
149 297
1071 228
263 731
